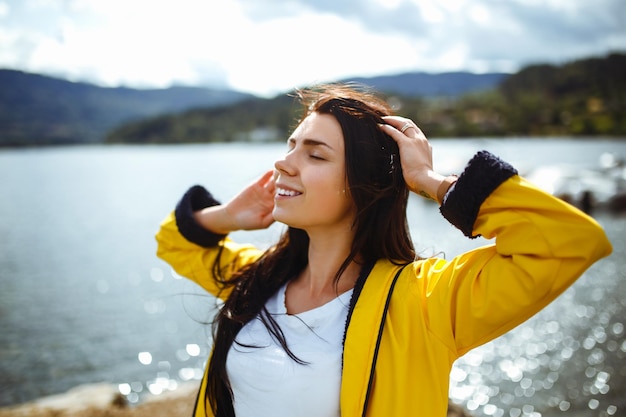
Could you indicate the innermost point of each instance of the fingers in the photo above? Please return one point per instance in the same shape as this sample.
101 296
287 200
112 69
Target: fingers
415 153
267 179
266 182
397 127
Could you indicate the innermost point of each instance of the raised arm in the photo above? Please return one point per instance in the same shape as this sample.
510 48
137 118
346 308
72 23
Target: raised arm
194 237
542 245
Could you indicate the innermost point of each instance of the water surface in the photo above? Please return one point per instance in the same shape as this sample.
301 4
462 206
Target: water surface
84 298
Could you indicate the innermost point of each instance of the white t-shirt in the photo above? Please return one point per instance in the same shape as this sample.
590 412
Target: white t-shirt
267 382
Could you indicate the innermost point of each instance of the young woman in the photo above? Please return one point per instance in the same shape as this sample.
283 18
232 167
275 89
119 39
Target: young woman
340 317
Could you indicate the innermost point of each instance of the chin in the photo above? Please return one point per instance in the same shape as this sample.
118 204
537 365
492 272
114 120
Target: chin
286 219
281 217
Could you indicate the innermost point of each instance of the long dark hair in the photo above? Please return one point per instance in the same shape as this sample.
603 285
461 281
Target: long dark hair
376 184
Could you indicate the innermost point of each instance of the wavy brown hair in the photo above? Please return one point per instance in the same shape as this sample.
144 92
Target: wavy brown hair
380 195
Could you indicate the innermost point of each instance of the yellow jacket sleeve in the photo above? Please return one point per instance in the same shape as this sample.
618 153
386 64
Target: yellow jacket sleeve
192 250
542 245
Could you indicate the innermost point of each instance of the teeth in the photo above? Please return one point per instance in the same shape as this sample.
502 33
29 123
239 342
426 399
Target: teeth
289 193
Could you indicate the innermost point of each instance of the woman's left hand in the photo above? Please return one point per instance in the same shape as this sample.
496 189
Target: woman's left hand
416 156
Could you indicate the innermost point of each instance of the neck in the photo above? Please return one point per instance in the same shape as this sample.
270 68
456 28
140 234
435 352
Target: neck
327 252
317 284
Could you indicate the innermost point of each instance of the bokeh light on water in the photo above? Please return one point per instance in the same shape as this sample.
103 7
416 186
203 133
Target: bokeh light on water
187 365
168 370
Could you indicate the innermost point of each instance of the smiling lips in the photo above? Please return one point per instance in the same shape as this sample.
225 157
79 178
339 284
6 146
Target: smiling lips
286 193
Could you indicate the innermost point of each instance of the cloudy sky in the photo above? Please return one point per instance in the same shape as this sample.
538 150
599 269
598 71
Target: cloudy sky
270 46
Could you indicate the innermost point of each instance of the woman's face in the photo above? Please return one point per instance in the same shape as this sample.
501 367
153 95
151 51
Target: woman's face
311 187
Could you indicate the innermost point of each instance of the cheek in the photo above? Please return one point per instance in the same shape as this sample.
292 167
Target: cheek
338 199
327 188
333 186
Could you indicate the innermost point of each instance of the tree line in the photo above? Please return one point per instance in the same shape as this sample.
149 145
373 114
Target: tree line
581 98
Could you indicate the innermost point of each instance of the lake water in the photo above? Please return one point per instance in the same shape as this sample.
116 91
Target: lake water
83 298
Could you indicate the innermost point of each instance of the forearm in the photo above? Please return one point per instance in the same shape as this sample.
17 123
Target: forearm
215 219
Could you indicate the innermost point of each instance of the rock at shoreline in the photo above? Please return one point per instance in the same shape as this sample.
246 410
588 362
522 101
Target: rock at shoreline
104 400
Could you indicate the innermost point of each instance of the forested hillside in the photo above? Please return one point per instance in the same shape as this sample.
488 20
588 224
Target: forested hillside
40 110
585 97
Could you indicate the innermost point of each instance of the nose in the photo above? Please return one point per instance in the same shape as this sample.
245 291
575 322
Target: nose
285 166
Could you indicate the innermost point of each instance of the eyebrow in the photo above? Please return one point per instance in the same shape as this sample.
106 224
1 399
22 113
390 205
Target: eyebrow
311 142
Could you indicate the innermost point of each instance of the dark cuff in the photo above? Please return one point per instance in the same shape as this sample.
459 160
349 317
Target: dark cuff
196 198
483 174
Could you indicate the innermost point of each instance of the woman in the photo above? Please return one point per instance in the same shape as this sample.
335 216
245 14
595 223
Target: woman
341 317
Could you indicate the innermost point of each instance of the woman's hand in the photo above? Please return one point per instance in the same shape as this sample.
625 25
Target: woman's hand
416 156
249 210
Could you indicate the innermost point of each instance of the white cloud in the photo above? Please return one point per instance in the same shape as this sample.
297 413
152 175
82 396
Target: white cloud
432 12
269 46
4 9
309 52
125 42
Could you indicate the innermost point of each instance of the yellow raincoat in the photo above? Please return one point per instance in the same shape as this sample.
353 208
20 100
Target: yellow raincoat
439 309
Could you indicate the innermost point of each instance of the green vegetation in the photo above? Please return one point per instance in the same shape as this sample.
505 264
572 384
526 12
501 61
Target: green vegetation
586 97
40 110
244 121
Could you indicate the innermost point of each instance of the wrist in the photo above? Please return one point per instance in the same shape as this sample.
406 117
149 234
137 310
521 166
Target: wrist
444 186
428 185
215 219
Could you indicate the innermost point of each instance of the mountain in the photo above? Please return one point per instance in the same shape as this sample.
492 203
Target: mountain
41 110
585 97
272 119
446 84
